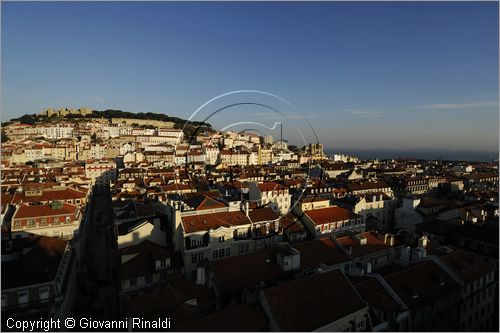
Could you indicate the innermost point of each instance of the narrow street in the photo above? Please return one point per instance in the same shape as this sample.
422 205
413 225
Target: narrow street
98 280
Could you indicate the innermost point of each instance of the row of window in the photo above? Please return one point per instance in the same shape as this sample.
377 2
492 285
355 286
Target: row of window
221 253
148 279
469 305
338 225
197 257
23 297
244 248
358 327
43 222
479 314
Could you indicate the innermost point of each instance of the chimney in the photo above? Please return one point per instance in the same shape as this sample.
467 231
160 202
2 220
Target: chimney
287 257
247 207
422 242
391 240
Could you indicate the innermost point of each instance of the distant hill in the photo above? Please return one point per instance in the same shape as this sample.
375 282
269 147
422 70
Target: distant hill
108 114
141 115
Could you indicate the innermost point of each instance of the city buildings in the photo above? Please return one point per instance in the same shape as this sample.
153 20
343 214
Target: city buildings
223 223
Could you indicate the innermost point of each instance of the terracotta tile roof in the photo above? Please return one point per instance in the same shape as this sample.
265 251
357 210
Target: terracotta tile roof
5 199
376 295
26 211
50 195
263 214
373 244
240 318
312 302
235 273
203 202
175 187
291 224
203 222
33 185
271 186
38 265
367 185
170 302
318 251
422 284
144 262
330 214
468 266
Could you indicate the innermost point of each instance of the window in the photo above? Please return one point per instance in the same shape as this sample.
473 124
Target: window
361 324
22 297
17 224
163 275
43 294
200 256
149 279
43 221
221 239
215 254
133 282
221 253
193 258
31 223
228 251
193 275
4 300
163 262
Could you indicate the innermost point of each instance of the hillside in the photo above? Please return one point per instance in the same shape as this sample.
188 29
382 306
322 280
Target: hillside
108 114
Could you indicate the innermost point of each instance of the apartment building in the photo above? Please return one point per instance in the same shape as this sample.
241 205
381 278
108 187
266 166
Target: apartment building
230 157
37 278
271 194
477 279
144 265
325 221
361 187
56 219
377 210
213 236
431 295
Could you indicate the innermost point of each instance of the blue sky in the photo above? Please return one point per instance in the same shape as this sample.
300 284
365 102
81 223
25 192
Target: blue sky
367 75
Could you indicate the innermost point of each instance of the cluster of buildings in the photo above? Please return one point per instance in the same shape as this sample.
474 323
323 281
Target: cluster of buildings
232 231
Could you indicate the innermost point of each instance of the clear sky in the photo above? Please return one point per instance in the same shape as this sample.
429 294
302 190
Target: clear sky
367 75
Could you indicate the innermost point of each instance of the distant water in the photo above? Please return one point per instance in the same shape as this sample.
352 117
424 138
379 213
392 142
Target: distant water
424 154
